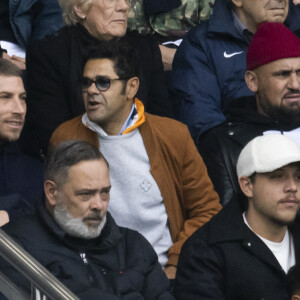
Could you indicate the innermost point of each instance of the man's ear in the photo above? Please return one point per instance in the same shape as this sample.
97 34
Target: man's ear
246 186
132 87
251 80
295 297
237 3
79 12
50 189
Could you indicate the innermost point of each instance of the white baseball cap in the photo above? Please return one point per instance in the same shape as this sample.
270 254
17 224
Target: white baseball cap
267 153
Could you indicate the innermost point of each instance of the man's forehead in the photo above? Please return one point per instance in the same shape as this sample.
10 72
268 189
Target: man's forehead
290 63
99 66
88 170
11 84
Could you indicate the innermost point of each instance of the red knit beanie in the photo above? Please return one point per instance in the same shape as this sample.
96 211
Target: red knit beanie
272 41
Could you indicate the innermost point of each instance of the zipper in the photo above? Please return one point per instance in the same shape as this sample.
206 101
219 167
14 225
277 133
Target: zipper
85 261
102 281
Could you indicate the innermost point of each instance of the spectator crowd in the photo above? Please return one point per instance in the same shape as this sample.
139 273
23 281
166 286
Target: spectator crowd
150 149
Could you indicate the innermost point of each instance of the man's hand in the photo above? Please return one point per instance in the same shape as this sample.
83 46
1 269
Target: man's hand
4 218
170 272
17 60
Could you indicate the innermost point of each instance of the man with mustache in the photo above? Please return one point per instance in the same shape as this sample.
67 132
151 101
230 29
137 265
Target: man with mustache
246 252
209 66
77 240
273 74
21 176
160 184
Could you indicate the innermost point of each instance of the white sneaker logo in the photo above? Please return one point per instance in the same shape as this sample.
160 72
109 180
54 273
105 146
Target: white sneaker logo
231 54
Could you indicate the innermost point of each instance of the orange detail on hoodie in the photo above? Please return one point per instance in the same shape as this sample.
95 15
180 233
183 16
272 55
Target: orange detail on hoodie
141 119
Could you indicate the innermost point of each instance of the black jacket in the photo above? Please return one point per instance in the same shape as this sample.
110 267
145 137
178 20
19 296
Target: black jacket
118 264
224 259
21 181
220 147
54 68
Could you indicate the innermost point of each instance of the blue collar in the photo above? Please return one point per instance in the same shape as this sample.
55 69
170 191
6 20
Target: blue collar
127 123
242 29
237 22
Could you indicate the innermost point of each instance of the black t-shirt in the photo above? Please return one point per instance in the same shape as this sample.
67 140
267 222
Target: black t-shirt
6 32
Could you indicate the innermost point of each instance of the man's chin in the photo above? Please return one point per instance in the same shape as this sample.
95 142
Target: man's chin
78 227
10 137
92 223
277 16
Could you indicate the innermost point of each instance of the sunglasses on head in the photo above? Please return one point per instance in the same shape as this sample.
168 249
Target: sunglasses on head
102 83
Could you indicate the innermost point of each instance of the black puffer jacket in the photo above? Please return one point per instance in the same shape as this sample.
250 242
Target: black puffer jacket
225 260
118 264
220 147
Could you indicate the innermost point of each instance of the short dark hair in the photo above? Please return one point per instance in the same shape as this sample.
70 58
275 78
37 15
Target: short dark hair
7 68
123 55
67 154
293 280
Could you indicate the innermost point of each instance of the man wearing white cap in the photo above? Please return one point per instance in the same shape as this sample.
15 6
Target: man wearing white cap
245 254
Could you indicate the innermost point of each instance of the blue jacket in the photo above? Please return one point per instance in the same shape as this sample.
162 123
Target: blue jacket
204 80
34 19
21 181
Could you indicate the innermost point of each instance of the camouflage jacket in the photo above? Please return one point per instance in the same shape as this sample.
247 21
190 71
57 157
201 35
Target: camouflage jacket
173 23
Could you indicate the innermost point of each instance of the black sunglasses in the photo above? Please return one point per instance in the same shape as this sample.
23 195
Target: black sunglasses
102 83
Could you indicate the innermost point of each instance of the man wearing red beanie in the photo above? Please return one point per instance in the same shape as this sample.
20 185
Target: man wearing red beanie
209 66
273 74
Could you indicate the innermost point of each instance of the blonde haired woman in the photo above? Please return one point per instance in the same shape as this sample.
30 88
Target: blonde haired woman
54 64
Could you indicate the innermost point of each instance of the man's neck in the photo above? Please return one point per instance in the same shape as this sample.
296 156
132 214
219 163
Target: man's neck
265 227
116 126
242 23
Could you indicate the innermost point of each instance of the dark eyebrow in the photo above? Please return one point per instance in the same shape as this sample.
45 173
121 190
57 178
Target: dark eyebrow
280 72
9 93
105 189
91 191
285 71
78 192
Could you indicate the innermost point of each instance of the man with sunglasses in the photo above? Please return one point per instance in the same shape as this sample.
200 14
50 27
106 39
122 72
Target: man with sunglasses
160 185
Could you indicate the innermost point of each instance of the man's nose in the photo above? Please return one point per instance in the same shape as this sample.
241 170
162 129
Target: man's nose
18 106
92 89
294 81
97 203
291 185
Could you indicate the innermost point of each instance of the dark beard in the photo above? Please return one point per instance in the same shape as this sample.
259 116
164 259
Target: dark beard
282 114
